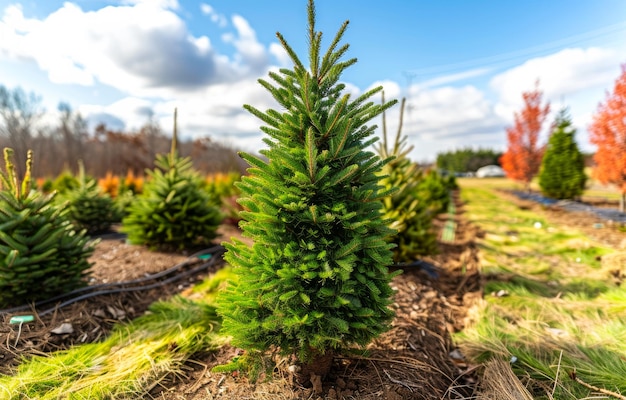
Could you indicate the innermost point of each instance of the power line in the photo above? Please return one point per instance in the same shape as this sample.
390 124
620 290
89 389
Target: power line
524 53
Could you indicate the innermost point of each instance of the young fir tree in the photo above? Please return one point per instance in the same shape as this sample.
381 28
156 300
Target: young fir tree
562 174
406 209
316 278
89 207
41 253
174 211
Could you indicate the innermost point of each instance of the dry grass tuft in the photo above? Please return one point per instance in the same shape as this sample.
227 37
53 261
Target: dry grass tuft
614 266
500 383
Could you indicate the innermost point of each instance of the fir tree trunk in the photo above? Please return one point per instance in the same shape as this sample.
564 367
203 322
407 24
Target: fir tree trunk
318 366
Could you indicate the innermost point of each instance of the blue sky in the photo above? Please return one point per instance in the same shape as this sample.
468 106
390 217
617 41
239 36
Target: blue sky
462 65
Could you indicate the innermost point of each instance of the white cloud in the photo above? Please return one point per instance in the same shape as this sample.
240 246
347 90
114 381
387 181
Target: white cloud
576 78
391 88
127 113
216 111
171 4
217 18
14 17
561 75
252 56
160 65
445 118
158 57
280 54
449 112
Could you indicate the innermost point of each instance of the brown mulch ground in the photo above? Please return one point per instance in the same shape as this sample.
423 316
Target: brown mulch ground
91 319
415 359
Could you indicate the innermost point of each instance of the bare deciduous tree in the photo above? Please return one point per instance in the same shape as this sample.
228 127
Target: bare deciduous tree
19 112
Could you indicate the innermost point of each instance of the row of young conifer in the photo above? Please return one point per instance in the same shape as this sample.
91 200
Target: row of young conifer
176 208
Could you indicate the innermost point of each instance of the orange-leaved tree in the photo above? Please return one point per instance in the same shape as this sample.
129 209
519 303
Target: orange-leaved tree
523 155
608 132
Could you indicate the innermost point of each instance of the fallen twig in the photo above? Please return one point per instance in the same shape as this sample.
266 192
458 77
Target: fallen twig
576 379
407 385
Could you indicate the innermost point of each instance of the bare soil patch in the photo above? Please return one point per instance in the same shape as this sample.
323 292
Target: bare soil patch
91 319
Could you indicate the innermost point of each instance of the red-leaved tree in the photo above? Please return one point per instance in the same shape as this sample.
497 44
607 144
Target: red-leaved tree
523 155
608 133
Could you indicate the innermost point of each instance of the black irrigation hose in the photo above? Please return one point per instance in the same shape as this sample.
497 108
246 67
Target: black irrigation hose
174 278
110 236
430 269
215 251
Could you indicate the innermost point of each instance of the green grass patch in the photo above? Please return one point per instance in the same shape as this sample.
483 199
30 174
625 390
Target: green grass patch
131 359
548 309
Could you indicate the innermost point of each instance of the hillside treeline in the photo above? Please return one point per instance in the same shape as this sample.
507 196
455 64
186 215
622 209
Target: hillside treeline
60 145
467 159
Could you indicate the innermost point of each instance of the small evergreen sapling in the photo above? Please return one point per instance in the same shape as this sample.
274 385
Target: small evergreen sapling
41 254
435 189
407 209
174 211
88 206
562 173
316 278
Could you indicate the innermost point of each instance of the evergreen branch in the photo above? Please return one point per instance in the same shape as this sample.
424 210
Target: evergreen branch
335 115
280 95
374 164
383 193
333 93
288 73
295 122
311 152
10 178
331 57
370 142
289 160
352 247
26 183
338 147
340 324
298 105
349 154
278 117
335 71
384 150
322 173
365 96
314 40
396 148
305 92
268 119
361 115
289 50
343 174
315 121
285 83
254 161
364 132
